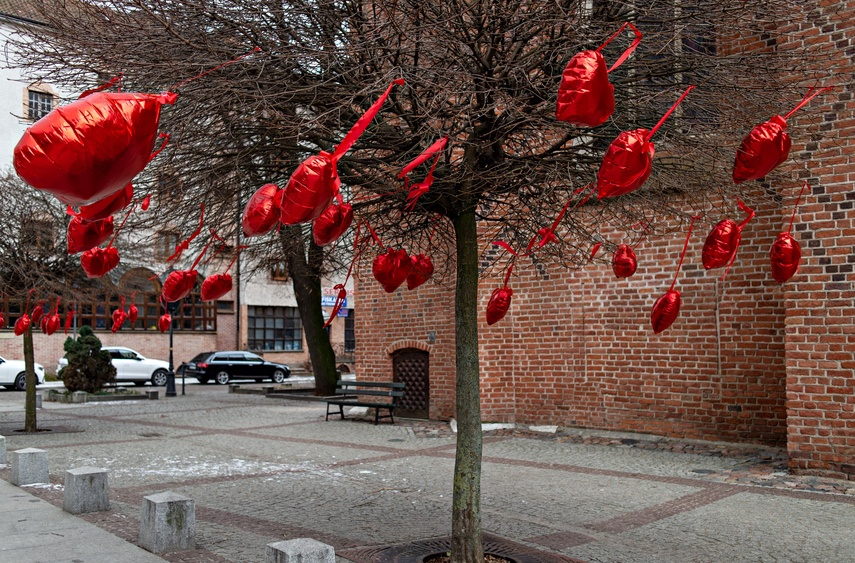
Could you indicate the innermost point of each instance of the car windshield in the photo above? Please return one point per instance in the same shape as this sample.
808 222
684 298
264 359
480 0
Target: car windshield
200 357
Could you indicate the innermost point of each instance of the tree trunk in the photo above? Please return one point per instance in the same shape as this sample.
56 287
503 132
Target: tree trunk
466 544
30 424
304 268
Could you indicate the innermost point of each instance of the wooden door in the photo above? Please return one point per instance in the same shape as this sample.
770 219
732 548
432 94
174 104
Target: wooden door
410 366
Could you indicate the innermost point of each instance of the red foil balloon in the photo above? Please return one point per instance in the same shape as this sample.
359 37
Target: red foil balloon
83 235
22 324
164 322
179 284
723 241
786 253
2 321
52 324
500 302
391 269
767 145
109 205
133 313
98 261
665 310
339 301
585 96
420 272
315 182
90 149
419 189
624 261
146 202
332 223
261 213
37 313
215 286
629 160
119 318
42 323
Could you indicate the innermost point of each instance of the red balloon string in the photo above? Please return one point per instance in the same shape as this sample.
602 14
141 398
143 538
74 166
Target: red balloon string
683 254
629 49
125 220
27 306
56 305
669 112
113 81
237 253
747 210
205 249
510 271
549 234
428 152
505 245
374 235
808 97
185 244
642 224
216 68
796 208
362 123
594 250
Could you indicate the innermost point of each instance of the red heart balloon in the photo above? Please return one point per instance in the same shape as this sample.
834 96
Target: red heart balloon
22 324
52 324
146 202
37 313
585 95
762 150
500 302
627 164
83 235
119 318
164 322
179 284
261 213
665 310
104 208
133 312
43 323
98 261
624 262
721 243
90 149
310 189
786 255
391 269
332 223
421 271
2 321
216 286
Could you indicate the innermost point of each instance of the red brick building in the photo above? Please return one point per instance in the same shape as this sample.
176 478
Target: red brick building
747 360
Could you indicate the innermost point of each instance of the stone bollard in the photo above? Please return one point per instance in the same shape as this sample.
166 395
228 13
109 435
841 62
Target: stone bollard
38 400
78 397
29 466
167 523
153 395
86 490
267 389
233 388
3 450
301 550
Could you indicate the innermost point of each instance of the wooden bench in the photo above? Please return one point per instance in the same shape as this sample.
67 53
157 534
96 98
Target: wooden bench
350 393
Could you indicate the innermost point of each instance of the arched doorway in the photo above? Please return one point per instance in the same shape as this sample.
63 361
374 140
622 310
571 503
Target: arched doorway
410 366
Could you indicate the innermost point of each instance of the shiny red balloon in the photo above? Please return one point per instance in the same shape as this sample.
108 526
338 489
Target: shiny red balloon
133 313
52 324
332 223
762 150
215 286
37 313
83 235
665 310
22 324
721 243
106 207
179 284
119 318
624 261
42 323
164 322
262 212
98 261
90 149
146 202
500 302
420 272
786 255
391 269
2 321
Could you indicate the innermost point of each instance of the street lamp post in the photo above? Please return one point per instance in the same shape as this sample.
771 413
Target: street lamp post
172 307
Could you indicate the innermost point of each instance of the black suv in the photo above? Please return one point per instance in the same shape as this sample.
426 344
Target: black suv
222 367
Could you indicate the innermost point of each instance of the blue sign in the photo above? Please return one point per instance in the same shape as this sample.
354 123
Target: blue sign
343 312
329 301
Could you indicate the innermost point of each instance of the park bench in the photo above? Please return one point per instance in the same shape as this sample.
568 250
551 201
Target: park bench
378 395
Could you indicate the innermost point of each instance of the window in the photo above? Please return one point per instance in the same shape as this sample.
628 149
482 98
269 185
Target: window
274 328
278 271
39 104
165 243
349 331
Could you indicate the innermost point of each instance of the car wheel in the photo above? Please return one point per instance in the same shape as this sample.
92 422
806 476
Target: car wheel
158 378
278 376
223 377
21 382
203 380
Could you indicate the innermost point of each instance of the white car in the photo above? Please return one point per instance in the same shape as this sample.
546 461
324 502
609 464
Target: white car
132 366
13 374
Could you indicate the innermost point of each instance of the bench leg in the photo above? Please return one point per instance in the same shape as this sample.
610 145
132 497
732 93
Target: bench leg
328 413
392 415
341 411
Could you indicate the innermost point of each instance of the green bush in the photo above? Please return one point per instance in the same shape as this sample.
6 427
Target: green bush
89 367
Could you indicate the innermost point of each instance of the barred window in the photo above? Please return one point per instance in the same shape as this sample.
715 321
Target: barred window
39 104
349 332
274 328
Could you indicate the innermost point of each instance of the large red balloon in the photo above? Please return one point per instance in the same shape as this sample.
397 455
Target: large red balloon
98 261
2 321
723 241
179 284
261 213
37 313
106 207
22 324
391 269
133 312
624 261
83 235
164 322
119 318
785 256
420 272
52 324
215 286
90 149
500 302
665 310
332 223
585 95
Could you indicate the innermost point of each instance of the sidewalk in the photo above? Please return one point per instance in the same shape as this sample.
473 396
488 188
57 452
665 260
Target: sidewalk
264 470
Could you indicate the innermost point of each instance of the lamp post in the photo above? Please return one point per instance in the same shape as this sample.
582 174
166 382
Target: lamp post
172 307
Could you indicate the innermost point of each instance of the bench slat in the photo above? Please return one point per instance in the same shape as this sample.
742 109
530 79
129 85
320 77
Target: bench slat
388 393
388 384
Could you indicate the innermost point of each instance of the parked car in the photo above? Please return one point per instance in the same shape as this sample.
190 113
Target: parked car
13 374
224 366
131 366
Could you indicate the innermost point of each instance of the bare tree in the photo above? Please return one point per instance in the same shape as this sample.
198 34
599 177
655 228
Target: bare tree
484 73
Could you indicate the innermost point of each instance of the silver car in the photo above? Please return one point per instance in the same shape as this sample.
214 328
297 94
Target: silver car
13 374
131 366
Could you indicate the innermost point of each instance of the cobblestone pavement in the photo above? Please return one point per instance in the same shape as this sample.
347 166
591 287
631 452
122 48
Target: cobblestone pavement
262 470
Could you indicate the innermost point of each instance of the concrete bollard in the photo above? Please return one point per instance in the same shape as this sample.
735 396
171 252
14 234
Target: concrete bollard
233 388
86 490
153 395
78 397
29 466
267 389
301 550
167 523
3 450
38 400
